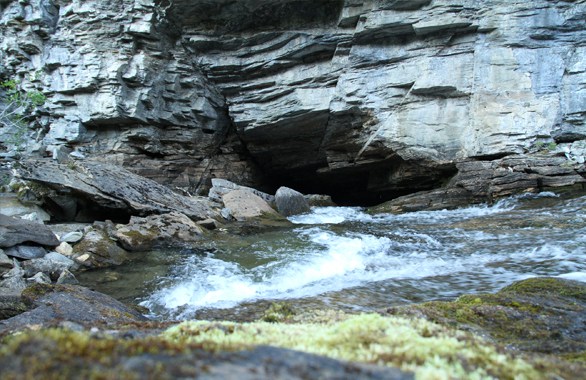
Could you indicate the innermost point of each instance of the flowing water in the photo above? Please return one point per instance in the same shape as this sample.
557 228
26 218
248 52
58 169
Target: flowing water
345 258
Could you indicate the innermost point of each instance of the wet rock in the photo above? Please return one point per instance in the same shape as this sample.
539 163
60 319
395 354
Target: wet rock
11 304
26 252
142 234
209 224
51 304
244 205
290 202
52 264
543 314
67 278
98 250
15 231
109 189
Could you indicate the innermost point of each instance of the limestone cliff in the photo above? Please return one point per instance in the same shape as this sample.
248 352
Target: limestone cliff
374 98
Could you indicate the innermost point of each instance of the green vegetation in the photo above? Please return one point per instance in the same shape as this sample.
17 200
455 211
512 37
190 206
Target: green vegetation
426 348
19 105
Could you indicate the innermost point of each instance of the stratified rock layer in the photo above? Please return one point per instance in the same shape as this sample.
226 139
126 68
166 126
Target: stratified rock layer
365 100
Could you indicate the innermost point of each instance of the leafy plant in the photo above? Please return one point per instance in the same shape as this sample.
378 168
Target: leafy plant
18 103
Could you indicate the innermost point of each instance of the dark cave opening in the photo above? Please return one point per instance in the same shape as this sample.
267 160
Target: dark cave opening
363 185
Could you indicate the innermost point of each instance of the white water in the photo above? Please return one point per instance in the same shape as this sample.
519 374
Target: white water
348 258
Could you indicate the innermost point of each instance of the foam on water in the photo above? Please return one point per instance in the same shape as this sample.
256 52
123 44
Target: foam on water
384 249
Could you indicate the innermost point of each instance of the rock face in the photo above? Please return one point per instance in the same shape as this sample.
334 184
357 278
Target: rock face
365 100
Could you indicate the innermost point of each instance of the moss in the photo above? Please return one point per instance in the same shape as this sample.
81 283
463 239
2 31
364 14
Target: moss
428 349
278 312
548 286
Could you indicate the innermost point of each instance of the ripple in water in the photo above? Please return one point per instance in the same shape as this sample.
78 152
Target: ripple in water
346 258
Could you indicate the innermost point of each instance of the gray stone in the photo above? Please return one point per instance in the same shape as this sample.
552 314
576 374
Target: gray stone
72 237
142 234
52 265
221 187
245 205
26 252
39 278
290 202
5 261
15 231
13 281
66 277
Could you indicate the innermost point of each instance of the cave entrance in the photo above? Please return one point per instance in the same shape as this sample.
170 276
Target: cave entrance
363 185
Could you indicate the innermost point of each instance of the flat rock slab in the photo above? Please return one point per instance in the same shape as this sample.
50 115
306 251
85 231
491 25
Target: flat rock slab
15 231
26 252
113 187
52 304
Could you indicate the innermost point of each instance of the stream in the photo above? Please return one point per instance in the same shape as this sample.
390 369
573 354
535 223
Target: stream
348 259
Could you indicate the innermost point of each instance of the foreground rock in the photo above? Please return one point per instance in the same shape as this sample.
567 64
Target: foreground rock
290 202
15 231
50 305
543 315
107 191
166 360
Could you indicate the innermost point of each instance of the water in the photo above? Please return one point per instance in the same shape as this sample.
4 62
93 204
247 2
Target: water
344 258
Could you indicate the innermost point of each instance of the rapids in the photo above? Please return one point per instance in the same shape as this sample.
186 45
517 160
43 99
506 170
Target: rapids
346 258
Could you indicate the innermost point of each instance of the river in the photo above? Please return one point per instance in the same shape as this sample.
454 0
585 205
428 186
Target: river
348 259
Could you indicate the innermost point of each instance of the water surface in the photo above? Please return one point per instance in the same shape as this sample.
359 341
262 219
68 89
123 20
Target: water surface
345 258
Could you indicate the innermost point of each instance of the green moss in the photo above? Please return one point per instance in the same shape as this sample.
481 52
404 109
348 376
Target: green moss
278 312
428 349
548 286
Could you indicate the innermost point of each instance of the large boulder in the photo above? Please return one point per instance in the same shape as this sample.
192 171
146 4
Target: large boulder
142 234
15 231
221 187
290 202
111 191
244 205
98 250
52 304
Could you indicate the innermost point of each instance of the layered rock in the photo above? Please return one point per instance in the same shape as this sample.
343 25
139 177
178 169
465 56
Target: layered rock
365 100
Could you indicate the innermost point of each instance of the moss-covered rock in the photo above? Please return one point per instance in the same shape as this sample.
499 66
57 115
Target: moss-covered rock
545 315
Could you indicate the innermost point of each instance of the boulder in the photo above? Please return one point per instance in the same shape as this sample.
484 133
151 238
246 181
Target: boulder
71 237
142 234
290 202
26 252
98 250
106 189
52 264
221 187
244 205
39 278
15 231
51 304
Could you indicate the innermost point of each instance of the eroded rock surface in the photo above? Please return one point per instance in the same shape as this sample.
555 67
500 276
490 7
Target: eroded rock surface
109 191
364 100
